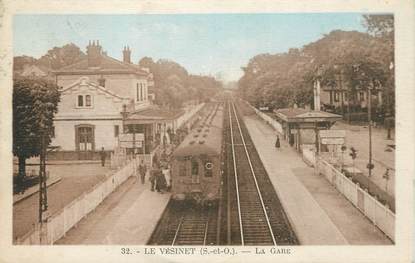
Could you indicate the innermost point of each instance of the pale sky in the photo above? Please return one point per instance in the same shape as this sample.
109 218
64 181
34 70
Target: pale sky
208 44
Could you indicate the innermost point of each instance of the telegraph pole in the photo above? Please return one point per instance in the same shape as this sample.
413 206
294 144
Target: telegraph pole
43 198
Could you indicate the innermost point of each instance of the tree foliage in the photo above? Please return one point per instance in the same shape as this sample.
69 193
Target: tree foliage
380 25
58 57
174 85
35 102
284 79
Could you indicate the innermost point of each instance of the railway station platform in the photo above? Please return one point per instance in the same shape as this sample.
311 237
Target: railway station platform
128 216
318 213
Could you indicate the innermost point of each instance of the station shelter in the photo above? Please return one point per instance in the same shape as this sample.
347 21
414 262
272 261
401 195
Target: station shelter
146 130
300 127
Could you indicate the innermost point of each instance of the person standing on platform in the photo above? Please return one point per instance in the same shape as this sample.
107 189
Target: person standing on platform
277 143
166 174
160 181
103 156
155 161
142 170
152 179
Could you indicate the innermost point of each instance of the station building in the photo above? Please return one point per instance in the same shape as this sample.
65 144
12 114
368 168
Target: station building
102 101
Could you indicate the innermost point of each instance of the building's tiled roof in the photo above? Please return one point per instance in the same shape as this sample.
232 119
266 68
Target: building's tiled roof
107 64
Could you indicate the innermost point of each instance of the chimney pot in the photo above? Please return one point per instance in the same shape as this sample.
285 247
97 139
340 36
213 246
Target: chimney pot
126 54
94 54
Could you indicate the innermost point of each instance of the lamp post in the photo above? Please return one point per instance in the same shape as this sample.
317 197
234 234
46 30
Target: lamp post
370 165
341 90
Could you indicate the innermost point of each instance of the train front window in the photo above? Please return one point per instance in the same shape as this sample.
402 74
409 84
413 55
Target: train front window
195 167
195 171
182 169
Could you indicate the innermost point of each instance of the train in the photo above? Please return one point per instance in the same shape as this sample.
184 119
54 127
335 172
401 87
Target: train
196 163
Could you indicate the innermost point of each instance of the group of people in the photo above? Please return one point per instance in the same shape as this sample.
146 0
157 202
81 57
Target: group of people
159 175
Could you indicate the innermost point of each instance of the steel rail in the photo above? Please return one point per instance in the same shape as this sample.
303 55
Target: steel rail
236 177
177 231
206 231
254 176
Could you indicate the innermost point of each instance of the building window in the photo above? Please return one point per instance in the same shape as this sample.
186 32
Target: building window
84 101
80 101
116 130
101 82
138 93
336 97
87 100
362 96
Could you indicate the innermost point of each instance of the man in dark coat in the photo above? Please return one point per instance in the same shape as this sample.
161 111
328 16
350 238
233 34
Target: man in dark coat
153 178
102 154
160 181
277 143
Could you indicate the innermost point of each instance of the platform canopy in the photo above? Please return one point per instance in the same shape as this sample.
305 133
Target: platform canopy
152 114
296 115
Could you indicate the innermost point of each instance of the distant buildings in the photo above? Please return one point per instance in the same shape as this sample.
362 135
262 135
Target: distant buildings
333 98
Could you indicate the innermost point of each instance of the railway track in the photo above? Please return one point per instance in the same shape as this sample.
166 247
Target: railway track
184 224
255 214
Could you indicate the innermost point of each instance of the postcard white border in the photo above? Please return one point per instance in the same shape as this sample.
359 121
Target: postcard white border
404 50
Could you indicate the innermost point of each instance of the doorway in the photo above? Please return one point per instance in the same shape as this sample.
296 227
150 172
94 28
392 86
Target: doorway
85 145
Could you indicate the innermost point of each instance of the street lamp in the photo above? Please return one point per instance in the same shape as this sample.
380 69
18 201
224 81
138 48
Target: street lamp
370 165
370 86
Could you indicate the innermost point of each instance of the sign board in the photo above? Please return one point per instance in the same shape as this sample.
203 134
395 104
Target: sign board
127 140
264 108
128 137
130 144
332 133
294 131
337 141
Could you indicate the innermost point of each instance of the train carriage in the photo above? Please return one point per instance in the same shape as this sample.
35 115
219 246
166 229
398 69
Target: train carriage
196 162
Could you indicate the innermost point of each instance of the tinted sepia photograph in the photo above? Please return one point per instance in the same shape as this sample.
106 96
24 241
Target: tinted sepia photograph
273 130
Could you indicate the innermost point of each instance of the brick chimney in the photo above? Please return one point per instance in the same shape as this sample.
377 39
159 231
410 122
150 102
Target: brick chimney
126 54
94 51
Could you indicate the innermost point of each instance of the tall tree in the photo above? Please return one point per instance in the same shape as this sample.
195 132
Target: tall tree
58 57
174 85
35 102
380 25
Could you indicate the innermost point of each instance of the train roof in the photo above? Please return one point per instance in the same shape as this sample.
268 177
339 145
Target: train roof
205 138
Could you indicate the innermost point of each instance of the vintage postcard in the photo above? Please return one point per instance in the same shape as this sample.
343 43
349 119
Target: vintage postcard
220 131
